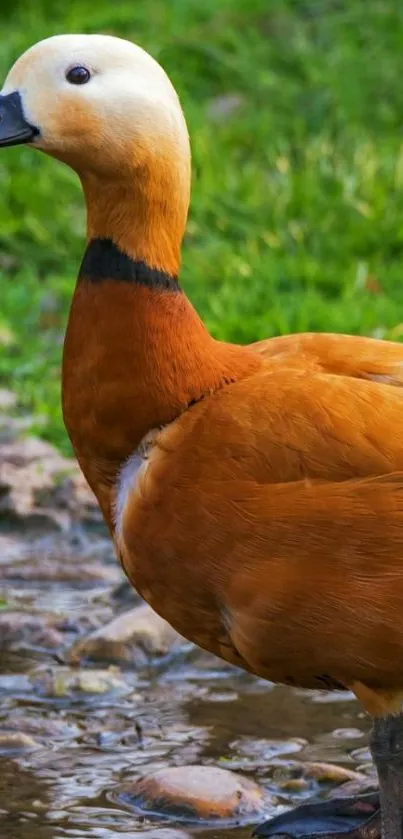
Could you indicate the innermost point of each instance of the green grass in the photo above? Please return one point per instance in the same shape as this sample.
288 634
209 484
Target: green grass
297 208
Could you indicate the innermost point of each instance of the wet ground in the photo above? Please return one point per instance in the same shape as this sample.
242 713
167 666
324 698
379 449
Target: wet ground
74 732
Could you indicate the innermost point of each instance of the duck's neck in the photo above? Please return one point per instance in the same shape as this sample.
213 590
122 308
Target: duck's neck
143 212
136 353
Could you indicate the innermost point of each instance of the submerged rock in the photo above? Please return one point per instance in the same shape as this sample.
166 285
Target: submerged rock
297 777
42 727
358 787
62 681
331 772
195 793
16 741
134 637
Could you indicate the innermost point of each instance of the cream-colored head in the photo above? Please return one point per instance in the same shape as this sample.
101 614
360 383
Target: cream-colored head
106 108
127 110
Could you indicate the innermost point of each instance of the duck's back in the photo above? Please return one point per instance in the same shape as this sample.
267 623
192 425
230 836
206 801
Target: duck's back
354 356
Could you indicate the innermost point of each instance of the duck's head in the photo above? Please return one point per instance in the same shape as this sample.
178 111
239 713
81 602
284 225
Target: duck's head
96 101
106 108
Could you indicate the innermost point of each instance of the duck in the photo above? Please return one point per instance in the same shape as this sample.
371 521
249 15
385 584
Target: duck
254 494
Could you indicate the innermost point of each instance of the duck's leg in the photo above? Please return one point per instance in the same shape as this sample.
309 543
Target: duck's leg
387 753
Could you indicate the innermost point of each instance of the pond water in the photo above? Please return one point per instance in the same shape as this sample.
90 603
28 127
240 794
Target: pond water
66 747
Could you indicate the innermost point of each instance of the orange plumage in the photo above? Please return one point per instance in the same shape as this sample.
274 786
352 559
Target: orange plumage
254 494
248 529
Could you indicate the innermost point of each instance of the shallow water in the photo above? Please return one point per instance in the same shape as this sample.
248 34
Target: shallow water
190 708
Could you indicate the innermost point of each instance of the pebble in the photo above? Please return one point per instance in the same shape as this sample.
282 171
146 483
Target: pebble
15 684
362 755
352 788
195 793
15 741
255 754
331 772
134 637
50 570
22 628
63 682
294 785
347 733
42 727
41 488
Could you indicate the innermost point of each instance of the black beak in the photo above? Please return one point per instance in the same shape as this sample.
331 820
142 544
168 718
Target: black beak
14 129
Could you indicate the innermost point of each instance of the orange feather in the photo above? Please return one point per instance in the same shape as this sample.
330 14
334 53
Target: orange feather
246 528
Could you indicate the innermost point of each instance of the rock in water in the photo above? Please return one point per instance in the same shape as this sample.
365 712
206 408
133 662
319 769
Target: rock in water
134 637
195 793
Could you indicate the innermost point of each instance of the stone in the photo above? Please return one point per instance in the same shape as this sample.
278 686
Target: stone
134 637
14 683
21 629
62 681
47 569
196 793
359 787
15 741
294 785
347 733
362 755
40 486
331 772
11 550
42 727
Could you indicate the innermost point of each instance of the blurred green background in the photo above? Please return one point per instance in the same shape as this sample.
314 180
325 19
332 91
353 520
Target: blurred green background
295 110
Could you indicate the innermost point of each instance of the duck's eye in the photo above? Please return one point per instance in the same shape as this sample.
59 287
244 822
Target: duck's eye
78 75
